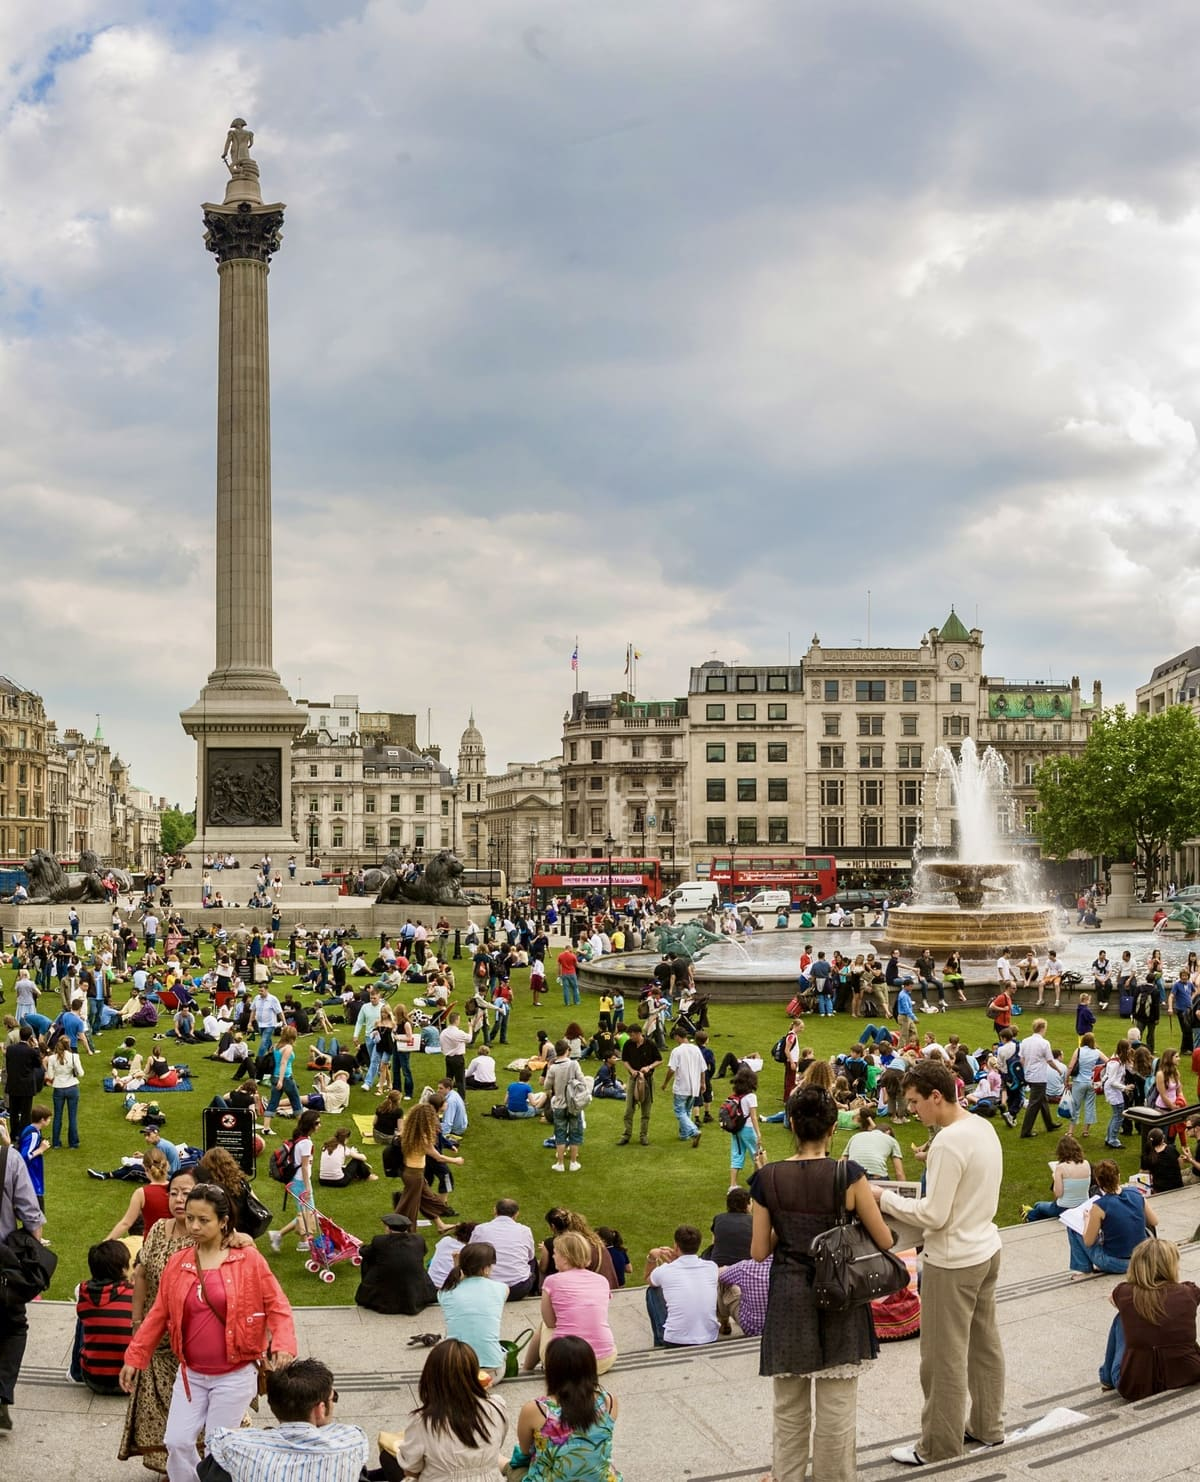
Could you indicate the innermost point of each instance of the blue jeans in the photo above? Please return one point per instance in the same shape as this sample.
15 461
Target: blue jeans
1044 1209
264 1040
95 1013
880 1034
1114 1352
568 1129
67 1096
402 1070
288 1089
1094 1257
570 988
656 1307
683 1107
825 1004
1116 1115
372 1074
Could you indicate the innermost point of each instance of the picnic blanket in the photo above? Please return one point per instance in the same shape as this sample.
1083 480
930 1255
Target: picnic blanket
148 1091
364 1121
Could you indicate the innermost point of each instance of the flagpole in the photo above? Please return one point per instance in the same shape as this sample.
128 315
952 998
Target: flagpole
576 666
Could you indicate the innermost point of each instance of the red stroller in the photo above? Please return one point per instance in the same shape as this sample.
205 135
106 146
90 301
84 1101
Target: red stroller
330 1245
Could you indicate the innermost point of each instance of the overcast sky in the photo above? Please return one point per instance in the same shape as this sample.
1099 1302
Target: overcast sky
674 322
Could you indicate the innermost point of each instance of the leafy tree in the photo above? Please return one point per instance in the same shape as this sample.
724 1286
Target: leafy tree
178 830
1135 791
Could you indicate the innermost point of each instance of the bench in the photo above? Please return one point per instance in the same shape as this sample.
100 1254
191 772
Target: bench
1146 1118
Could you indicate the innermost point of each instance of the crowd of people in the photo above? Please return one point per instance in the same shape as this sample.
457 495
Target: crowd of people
187 1322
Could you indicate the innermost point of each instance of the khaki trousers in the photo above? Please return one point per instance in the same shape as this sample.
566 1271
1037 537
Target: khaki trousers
729 1303
817 1415
962 1360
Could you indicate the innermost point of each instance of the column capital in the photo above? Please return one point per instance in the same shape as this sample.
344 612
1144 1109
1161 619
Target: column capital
245 232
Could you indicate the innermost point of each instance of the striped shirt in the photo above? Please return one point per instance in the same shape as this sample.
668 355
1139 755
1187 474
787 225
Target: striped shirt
293 1452
105 1309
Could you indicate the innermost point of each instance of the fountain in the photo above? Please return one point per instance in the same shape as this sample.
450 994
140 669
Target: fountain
992 897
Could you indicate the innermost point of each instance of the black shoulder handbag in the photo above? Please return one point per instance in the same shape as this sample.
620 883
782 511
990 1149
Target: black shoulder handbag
254 1218
26 1265
849 1269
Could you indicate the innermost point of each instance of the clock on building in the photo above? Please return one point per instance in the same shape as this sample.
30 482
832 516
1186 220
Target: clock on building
955 661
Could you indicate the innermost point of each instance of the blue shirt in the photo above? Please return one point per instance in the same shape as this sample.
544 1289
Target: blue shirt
30 1138
517 1096
1124 1223
904 1004
170 1152
454 1116
72 1026
472 1312
292 1452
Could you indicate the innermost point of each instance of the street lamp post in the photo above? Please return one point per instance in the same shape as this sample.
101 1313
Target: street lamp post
609 843
732 847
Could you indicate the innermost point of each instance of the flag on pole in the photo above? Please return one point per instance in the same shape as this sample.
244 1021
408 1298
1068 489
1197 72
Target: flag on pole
575 657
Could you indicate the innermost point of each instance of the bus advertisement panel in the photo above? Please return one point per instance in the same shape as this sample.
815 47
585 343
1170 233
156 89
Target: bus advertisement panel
809 878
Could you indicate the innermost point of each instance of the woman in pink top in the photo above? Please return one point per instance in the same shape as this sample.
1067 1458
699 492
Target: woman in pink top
574 1304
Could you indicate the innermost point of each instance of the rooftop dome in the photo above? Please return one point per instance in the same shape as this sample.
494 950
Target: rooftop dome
471 736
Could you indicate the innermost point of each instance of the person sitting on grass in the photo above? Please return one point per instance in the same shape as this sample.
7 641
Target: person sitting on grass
341 1164
481 1072
519 1099
606 1084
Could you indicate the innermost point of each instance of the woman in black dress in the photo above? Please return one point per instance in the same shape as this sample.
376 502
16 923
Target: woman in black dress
814 1357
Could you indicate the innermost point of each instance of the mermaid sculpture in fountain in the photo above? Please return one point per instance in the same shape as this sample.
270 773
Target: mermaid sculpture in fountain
690 939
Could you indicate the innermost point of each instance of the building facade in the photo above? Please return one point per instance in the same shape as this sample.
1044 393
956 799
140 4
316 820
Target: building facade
625 776
1175 681
746 758
95 804
472 797
524 817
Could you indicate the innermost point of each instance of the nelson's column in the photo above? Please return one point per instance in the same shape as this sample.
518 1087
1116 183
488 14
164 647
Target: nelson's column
244 722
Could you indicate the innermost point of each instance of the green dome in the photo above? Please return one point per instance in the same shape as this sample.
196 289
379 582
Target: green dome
953 630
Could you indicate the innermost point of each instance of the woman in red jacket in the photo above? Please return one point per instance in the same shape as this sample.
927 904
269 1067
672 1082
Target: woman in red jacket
224 1313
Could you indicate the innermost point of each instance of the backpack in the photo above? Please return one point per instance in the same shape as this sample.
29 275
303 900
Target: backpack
731 1116
281 1166
577 1093
1144 1003
778 1050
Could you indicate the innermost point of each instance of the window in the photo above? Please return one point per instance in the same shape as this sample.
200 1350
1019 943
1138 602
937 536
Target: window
870 831
869 690
831 756
338 837
832 691
339 804
420 803
747 751
639 821
572 785
714 712
870 756
665 781
747 683
714 830
1030 815
419 839
343 721
833 725
908 725
445 807
314 804
368 804
747 712
956 694
714 751
635 749
833 831
870 725
909 792
597 819
747 790
22 805
595 784
370 838
908 690
777 751
572 820
833 792
312 769
777 789
714 790
393 835
956 725
747 831
636 781
666 747
870 792
1029 773
22 774
1056 733
337 769
777 681
910 829
908 756
597 751
1029 733
777 712
716 683
777 830
395 803
574 751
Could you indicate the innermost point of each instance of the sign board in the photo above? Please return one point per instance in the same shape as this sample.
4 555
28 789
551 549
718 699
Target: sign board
231 1128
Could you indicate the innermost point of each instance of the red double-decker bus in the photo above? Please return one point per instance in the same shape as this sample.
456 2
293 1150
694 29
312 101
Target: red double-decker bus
809 878
583 879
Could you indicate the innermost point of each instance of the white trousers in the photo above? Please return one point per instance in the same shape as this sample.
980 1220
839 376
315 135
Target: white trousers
217 1400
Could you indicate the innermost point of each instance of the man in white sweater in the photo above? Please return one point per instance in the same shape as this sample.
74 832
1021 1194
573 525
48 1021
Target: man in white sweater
961 1355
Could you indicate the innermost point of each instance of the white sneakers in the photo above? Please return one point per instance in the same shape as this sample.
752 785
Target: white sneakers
575 1167
276 1240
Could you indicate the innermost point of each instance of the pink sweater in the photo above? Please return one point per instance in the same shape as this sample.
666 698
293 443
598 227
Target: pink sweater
580 1302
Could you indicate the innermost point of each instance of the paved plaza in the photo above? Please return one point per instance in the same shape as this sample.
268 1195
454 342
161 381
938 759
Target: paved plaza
706 1415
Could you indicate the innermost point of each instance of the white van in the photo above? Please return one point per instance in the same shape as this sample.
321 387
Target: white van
693 895
768 900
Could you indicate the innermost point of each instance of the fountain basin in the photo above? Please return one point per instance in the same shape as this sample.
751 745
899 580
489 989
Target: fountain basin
977 934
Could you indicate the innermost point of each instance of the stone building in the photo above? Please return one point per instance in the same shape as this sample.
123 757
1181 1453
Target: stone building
524 816
1175 681
24 814
95 804
625 776
472 798
746 758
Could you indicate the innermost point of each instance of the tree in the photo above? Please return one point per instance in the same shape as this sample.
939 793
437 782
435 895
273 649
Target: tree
178 829
1135 791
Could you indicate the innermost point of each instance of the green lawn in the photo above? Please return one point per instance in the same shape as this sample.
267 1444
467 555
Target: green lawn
642 1191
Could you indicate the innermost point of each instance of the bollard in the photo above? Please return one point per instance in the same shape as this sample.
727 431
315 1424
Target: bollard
457 943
